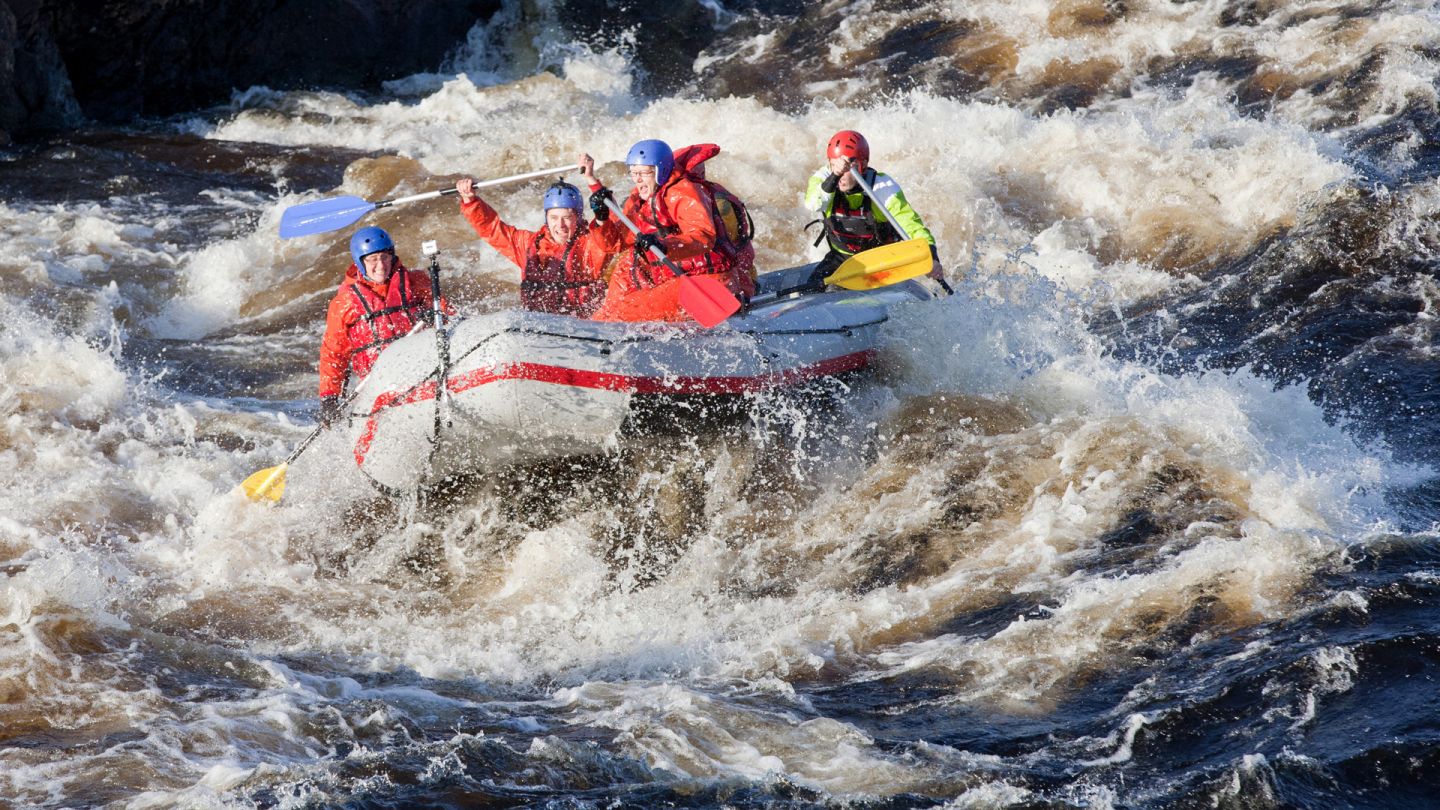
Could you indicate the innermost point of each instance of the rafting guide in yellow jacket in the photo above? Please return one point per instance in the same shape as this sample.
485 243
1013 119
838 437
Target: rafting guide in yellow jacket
860 208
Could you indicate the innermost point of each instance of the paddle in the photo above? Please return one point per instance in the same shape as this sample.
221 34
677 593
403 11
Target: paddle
866 270
337 212
894 223
702 297
884 265
269 483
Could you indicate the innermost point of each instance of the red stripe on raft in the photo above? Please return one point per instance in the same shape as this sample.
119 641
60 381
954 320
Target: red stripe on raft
419 393
606 381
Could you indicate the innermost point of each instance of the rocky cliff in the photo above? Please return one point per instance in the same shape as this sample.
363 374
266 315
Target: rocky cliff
64 61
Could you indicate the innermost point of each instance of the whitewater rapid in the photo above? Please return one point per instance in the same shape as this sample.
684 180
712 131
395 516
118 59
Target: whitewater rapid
895 589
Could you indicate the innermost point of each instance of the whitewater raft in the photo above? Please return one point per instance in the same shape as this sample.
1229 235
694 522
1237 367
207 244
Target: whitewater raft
527 386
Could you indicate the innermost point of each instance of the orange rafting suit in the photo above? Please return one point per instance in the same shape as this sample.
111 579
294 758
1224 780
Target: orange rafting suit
644 289
365 317
562 279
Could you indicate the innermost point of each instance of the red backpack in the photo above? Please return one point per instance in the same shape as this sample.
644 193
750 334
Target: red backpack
729 210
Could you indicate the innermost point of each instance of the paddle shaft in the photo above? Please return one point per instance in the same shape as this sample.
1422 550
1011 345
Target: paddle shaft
304 443
701 297
442 347
430 195
885 209
315 434
654 249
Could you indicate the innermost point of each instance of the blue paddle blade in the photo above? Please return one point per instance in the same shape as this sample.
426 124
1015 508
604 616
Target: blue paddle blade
322 215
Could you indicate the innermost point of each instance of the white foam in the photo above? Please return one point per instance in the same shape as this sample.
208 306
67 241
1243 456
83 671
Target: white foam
121 509
687 734
1124 175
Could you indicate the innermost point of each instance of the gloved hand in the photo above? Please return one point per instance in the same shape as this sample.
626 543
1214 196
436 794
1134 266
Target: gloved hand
828 186
598 206
330 410
937 271
645 241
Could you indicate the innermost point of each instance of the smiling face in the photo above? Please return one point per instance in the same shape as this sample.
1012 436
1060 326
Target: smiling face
563 223
644 179
377 266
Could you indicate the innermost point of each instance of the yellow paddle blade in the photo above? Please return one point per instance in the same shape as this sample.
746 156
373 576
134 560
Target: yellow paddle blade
887 264
268 483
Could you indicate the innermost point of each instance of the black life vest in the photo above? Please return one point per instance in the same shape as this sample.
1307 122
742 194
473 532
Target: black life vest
560 286
852 230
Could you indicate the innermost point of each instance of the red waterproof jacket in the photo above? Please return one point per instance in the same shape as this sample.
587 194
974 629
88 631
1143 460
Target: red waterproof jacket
683 214
563 279
364 317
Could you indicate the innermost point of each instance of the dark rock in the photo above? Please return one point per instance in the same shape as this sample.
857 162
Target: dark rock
112 62
663 39
35 91
662 45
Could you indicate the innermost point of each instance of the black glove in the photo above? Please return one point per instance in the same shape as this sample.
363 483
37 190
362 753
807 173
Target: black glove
830 183
645 241
330 410
598 206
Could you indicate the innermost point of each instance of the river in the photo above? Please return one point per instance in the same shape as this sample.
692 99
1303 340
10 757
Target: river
1145 515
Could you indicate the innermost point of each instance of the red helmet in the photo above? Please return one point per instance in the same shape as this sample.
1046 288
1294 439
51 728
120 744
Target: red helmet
849 143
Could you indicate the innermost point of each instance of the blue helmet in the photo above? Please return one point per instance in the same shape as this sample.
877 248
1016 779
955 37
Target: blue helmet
653 153
367 241
563 195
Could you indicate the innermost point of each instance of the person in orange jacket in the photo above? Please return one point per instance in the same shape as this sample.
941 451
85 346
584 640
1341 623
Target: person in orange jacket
676 215
562 266
378 301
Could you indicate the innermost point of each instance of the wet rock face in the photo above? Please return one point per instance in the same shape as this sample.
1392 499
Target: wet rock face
35 92
663 38
109 61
